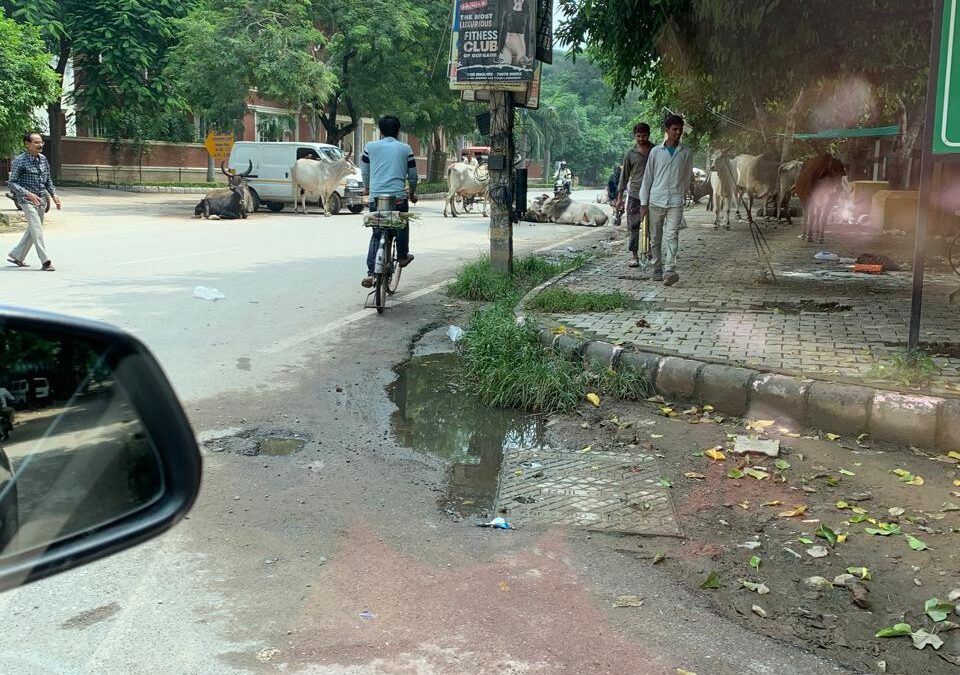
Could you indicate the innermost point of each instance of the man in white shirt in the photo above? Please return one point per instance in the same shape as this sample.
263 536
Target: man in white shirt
665 182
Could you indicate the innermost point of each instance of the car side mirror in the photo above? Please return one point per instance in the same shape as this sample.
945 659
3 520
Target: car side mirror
104 462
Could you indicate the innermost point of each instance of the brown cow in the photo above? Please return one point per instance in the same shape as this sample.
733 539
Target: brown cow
820 179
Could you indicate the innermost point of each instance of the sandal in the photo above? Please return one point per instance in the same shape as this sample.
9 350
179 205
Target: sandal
18 263
633 263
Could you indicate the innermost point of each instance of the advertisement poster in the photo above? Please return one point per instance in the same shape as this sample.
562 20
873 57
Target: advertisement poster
494 44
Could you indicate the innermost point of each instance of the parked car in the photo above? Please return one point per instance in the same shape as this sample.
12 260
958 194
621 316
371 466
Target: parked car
41 389
30 392
21 392
270 180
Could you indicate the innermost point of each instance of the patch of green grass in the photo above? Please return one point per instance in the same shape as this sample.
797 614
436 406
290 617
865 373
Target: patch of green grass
557 300
505 365
910 367
625 383
477 281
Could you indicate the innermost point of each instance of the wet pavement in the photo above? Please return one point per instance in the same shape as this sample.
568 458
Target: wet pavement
819 320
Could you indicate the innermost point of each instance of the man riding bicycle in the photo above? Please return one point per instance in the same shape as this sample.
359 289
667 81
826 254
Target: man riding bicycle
385 165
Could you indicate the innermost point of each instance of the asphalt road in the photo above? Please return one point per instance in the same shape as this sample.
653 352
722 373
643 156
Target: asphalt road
336 559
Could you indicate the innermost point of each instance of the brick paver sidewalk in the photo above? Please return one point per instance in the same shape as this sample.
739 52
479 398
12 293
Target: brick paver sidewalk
819 320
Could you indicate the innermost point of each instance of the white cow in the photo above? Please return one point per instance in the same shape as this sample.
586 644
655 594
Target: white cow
561 209
466 181
723 179
319 177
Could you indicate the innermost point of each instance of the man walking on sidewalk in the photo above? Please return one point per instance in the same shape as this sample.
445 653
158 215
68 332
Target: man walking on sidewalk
665 182
30 182
631 180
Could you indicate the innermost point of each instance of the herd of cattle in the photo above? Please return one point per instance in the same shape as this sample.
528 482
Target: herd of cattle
818 182
309 176
734 181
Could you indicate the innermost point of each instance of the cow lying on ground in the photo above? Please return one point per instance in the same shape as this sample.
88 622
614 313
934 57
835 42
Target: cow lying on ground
229 203
466 180
561 209
318 177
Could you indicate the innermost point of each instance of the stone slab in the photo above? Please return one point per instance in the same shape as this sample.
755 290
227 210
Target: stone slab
603 491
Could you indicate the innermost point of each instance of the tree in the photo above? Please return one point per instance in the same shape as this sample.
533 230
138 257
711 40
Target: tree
119 48
749 65
26 82
228 48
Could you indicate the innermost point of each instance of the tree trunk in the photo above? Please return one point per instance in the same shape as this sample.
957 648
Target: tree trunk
762 124
438 158
53 150
501 181
898 171
547 165
789 128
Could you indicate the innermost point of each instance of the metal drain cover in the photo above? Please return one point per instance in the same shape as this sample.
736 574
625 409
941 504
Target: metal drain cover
604 491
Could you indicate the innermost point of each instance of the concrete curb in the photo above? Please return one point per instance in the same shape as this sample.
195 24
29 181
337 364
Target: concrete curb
922 421
156 188
906 419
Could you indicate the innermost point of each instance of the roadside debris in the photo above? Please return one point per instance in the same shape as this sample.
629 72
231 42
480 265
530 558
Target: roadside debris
454 333
205 293
628 601
498 523
745 444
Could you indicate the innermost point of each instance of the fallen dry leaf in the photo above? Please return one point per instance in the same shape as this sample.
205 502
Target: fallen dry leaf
795 511
831 437
593 398
714 453
694 475
760 425
775 502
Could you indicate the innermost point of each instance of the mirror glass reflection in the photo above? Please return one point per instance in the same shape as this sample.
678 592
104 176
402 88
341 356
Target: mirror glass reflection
74 455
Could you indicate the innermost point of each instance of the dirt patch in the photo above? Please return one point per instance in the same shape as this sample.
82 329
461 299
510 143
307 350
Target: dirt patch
728 521
803 306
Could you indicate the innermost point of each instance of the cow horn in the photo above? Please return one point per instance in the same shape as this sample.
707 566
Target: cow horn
249 169
223 169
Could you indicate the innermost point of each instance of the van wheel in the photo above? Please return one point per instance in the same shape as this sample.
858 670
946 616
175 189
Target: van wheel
255 198
275 207
335 203
356 208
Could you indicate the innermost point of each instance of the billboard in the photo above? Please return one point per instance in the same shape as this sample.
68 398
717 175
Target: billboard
494 44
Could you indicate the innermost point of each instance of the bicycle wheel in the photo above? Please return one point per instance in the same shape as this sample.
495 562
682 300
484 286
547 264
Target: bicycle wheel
380 292
394 271
953 253
382 284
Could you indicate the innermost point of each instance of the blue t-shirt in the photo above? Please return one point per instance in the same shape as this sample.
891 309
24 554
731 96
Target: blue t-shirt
385 165
672 149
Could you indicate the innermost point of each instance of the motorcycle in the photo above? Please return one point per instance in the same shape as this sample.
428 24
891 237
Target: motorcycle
561 185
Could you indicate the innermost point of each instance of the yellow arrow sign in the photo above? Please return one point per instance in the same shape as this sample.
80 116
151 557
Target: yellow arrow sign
219 145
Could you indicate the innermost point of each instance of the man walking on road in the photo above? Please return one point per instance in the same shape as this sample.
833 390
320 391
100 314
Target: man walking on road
631 180
30 182
665 182
385 165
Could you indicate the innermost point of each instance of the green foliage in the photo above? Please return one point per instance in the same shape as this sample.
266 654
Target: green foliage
226 48
477 281
505 365
565 300
910 367
625 383
26 82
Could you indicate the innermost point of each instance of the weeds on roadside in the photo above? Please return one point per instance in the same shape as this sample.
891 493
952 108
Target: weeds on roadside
558 300
625 383
478 281
910 367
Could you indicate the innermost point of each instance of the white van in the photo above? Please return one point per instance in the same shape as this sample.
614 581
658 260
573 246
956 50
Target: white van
270 181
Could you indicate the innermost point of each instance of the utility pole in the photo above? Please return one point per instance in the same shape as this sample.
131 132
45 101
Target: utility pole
501 181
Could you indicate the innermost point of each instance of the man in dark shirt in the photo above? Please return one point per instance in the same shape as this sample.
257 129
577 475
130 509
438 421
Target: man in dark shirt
30 182
631 179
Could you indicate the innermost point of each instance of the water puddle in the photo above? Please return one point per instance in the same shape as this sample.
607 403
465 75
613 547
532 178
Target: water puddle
279 447
436 416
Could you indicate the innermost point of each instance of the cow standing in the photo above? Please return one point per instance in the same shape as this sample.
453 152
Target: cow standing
466 181
787 176
756 178
229 203
818 184
318 177
723 178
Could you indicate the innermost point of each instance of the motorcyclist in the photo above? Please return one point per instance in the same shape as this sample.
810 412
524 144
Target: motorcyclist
6 413
563 178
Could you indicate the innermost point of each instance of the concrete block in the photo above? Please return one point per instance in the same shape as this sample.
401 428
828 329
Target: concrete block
904 418
645 362
948 435
725 388
838 408
570 346
677 378
862 192
598 353
778 397
894 210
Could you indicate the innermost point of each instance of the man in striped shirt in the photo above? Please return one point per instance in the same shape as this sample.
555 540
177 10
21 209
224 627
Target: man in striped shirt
665 182
30 182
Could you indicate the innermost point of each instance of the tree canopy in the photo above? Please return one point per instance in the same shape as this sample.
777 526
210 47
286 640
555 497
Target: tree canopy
26 82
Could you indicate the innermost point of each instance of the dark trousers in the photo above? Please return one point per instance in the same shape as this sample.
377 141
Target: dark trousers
402 236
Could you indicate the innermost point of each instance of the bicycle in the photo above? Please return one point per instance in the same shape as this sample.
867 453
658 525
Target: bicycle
386 270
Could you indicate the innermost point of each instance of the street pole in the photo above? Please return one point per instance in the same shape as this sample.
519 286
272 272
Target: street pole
501 181
926 174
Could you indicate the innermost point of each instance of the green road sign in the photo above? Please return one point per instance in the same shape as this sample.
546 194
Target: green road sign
946 136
